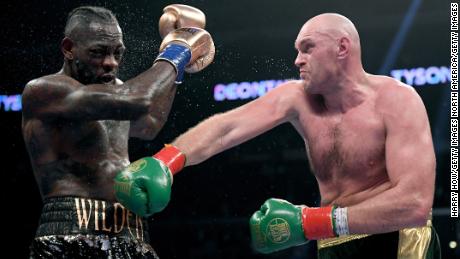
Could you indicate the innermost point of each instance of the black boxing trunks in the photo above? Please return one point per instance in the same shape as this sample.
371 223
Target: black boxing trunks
75 227
409 243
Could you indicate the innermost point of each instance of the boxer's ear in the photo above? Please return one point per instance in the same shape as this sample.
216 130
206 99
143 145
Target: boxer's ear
344 46
66 48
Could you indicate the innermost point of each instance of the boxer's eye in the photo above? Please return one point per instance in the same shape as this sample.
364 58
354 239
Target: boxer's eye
97 53
306 48
118 54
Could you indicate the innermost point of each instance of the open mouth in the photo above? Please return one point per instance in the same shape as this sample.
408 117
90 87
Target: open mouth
107 78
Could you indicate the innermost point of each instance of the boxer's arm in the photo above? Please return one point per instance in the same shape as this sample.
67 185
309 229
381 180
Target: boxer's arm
200 54
410 163
226 130
149 125
60 96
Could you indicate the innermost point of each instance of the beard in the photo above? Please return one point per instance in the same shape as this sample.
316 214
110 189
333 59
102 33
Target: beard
307 83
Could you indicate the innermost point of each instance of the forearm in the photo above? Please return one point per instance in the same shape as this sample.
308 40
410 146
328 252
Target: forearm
204 140
391 210
151 91
223 131
156 84
150 124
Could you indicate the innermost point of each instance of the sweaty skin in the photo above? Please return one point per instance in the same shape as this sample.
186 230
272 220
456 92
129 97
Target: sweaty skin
76 123
367 137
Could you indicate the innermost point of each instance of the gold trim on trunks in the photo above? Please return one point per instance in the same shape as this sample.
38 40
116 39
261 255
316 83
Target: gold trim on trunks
414 242
323 243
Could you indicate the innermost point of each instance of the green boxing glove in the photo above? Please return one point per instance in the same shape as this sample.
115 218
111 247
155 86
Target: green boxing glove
279 225
144 187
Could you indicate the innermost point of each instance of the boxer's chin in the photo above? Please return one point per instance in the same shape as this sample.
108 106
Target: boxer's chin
306 83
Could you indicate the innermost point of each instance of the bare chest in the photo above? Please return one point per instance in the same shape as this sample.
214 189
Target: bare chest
77 158
343 145
94 139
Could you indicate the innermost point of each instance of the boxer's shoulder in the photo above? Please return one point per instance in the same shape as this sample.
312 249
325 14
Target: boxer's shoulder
292 84
289 90
394 96
41 92
292 95
50 83
388 86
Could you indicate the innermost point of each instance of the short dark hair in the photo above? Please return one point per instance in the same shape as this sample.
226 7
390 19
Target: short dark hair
84 15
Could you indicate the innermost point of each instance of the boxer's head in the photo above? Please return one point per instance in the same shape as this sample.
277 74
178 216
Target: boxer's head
328 46
93 45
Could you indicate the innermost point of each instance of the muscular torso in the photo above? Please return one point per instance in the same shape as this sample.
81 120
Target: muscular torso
77 135
346 150
77 158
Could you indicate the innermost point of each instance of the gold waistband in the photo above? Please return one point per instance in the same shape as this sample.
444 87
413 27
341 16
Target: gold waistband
323 243
77 215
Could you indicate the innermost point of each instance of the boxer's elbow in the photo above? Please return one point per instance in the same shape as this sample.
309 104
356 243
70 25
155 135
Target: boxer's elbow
146 127
423 214
144 103
414 199
135 107
153 128
421 210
